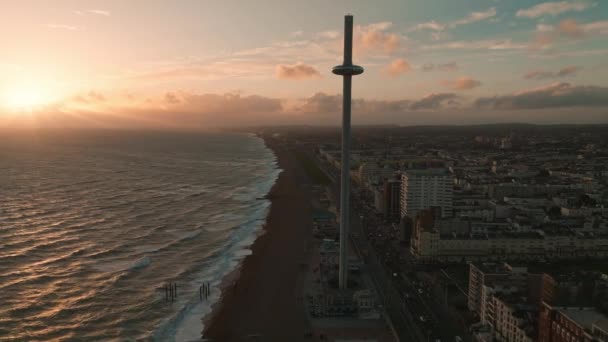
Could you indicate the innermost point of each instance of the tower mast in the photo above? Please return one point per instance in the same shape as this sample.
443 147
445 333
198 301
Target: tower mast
346 70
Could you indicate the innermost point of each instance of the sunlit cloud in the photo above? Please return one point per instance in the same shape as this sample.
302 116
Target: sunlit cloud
89 98
554 8
440 67
570 28
329 34
63 27
375 37
435 101
488 44
101 12
542 75
462 83
438 29
558 95
228 68
397 67
431 25
298 71
475 17
547 35
326 103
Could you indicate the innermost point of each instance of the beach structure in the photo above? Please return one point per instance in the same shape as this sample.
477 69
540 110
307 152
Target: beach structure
347 70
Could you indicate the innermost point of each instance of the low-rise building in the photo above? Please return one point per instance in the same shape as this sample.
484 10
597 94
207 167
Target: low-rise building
570 324
428 244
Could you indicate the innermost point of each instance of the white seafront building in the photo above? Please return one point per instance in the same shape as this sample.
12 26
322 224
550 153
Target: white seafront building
423 189
430 245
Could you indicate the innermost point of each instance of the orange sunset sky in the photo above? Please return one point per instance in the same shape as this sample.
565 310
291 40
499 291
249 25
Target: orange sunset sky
213 63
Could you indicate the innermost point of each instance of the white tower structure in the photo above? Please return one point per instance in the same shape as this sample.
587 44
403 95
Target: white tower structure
346 70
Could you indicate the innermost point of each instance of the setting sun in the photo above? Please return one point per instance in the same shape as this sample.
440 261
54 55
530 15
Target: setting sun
26 96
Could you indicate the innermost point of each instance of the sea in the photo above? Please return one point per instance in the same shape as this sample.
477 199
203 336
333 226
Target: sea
95 223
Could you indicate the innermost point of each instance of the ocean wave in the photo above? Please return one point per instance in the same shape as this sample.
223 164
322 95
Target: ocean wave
90 246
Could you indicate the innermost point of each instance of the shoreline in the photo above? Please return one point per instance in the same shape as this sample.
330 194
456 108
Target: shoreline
259 297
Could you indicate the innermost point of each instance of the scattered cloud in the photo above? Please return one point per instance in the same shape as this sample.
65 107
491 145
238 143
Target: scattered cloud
101 12
172 98
228 103
491 44
375 37
440 67
97 96
321 103
598 27
557 103
329 34
91 97
570 28
298 71
62 27
475 17
558 95
431 25
397 67
440 28
542 75
434 101
547 35
437 28
325 104
553 8
462 83
238 67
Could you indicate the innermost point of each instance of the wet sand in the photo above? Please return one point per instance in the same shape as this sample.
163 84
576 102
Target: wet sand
262 301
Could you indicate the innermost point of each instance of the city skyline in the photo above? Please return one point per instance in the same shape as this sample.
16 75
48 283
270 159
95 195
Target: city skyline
160 64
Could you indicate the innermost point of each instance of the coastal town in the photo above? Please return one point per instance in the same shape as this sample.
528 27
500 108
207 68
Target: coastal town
480 233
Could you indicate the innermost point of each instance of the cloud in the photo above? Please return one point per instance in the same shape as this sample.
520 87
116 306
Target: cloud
475 17
553 8
462 83
599 27
322 103
557 103
440 67
570 28
329 34
228 103
102 12
298 71
90 98
542 75
431 25
97 96
297 34
225 68
491 44
439 28
547 35
558 95
397 67
62 27
172 98
434 101
374 37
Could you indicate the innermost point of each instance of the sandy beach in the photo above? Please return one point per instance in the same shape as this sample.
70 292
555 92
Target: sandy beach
262 301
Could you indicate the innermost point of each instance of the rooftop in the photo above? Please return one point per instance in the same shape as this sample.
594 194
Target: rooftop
427 172
585 317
